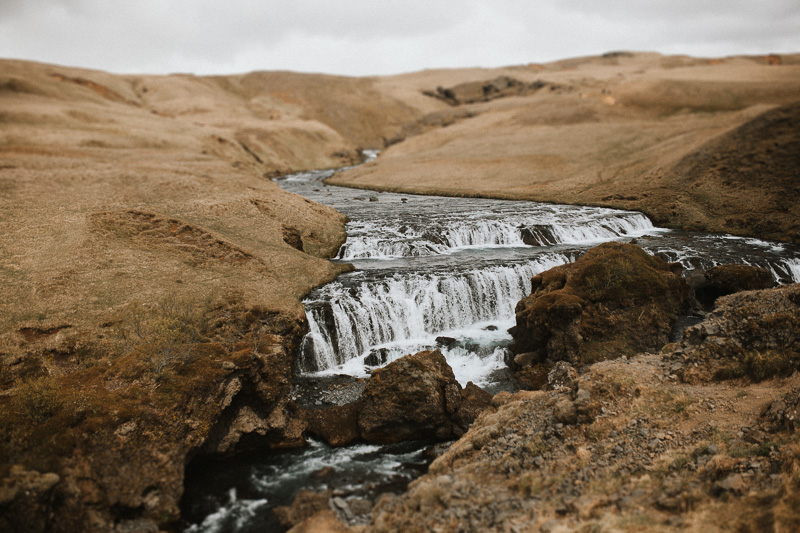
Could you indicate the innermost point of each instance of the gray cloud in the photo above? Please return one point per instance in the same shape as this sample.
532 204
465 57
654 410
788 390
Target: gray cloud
360 37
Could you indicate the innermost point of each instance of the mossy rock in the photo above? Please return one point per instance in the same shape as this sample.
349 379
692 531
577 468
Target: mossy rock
615 300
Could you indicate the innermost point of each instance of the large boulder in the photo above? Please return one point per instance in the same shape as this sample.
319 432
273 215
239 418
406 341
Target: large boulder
615 300
413 397
474 400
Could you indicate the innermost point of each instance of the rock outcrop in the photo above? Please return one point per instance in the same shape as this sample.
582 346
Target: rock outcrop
483 91
122 457
615 300
411 398
751 334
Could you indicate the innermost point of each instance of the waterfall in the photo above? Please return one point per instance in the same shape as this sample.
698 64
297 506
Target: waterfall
382 240
589 231
346 322
793 266
786 271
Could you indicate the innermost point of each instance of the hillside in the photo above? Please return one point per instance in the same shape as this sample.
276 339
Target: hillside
634 131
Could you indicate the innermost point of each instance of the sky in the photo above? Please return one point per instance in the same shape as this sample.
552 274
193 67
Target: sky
373 37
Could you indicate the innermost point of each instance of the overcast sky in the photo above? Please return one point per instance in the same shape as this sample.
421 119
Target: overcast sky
363 37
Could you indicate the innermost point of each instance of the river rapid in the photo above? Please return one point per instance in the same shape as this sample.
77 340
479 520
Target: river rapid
430 272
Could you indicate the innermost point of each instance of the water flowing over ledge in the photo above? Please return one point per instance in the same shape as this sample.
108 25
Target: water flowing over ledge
434 272
443 235
447 272
350 318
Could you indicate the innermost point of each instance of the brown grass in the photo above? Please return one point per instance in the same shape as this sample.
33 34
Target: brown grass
690 144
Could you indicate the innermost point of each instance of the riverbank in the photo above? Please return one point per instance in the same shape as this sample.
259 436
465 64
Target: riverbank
703 144
699 436
152 274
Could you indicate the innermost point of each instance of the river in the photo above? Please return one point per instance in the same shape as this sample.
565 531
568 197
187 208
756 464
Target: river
431 272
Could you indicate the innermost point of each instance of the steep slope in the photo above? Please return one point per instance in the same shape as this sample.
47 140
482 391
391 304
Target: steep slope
152 275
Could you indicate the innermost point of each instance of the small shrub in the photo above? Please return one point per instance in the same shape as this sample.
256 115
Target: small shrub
39 399
536 446
164 335
758 366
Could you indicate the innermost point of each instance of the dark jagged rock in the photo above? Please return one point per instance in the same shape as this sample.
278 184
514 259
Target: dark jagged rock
615 300
377 357
447 342
483 91
722 280
414 397
538 235
292 237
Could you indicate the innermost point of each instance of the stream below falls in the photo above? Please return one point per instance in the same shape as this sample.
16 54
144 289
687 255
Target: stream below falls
431 272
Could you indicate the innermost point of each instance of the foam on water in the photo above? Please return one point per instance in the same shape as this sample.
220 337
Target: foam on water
401 313
229 517
406 237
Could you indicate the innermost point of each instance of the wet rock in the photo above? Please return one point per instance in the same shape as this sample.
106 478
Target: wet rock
410 398
474 401
538 235
615 300
377 357
323 473
337 425
722 280
445 341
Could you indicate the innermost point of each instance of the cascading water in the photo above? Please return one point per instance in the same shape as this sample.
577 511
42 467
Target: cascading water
443 235
447 272
401 311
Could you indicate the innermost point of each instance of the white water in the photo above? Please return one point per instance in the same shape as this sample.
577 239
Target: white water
407 311
229 517
437 267
404 238
793 267
431 267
